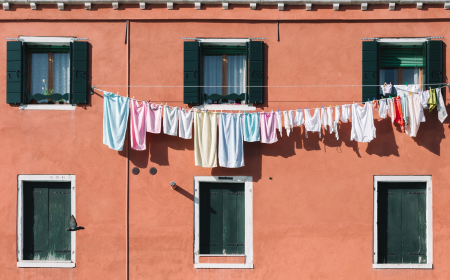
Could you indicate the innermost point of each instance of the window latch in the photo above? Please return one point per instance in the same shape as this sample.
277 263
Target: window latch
373 74
17 72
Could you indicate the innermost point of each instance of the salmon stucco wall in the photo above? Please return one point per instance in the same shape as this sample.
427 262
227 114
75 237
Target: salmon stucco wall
312 197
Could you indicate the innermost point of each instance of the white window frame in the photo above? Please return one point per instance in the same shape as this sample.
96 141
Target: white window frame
429 218
56 41
43 178
248 222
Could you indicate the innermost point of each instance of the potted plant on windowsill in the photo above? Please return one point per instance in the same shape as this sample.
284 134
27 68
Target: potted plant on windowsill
48 92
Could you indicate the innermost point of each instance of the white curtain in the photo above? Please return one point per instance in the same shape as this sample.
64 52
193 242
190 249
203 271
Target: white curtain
213 74
236 74
410 76
61 73
39 72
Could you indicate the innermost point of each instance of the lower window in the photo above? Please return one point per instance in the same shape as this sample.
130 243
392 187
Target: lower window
45 205
402 227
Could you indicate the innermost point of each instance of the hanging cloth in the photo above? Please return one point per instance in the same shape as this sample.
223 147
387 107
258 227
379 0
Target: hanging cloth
414 107
405 110
345 116
432 100
323 118
268 124
299 120
398 113
185 124
251 127
278 117
337 115
406 89
442 110
115 118
137 125
363 128
424 96
391 109
330 119
205 139
231 140
382 111
170 120
313 123
375 104
288 121
153 119
387 89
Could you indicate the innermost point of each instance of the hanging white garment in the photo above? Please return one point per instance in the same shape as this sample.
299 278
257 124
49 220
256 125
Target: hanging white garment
231 140
299 120
278 118
414 107
323 118
363 128
382 111
403 90
185 124
442 111
390 109
345 116
288 121
337 114
387 89
170 120
330 119
424 96
312 123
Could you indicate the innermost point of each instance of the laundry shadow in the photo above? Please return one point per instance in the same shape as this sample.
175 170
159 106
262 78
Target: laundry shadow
384 144
329 139
345 130
159 145
431 133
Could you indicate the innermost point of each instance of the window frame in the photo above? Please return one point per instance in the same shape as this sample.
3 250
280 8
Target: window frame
20 220
429 218
248 180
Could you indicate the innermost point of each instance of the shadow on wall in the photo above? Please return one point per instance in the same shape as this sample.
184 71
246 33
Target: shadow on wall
431 132
384 144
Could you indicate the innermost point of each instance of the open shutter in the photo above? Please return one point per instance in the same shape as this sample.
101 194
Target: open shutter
394 226
234 219
211 218
256 72
434 62
79 72
191 78
14 72
370 70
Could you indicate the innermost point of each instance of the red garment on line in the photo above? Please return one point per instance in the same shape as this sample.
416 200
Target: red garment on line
398 113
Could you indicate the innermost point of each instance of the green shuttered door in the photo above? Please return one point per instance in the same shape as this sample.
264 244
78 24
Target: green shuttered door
80 72
191 75
256 72
370 70
402 223
47 209
434 62
222 218
14 72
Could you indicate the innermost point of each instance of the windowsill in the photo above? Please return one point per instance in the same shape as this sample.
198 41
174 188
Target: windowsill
243 107
62 264
54 107
224 265
403 265
221 255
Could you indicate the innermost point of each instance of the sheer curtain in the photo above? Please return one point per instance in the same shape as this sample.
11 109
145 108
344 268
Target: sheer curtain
212 74
236 74
61 72
39 73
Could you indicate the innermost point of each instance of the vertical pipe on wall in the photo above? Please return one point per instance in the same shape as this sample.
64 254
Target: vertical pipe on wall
127 42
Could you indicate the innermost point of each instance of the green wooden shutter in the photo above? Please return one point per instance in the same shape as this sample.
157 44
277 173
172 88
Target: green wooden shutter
240 218
256 72
434 62
370 70
47 209
191 78
14 72
401 56
79 72
211 218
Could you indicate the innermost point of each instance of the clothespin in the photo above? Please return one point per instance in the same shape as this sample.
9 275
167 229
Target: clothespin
206 110
390 96
368 100
278 110
145 100
406 83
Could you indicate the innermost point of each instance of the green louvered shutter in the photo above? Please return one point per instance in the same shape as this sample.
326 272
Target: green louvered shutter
256 72
434 62
370 70
211 218
234 219
79 72
191 78
14 72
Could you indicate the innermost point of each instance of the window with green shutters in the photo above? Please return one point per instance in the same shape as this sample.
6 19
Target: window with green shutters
222 218
399 63
229 72
403 225
47 73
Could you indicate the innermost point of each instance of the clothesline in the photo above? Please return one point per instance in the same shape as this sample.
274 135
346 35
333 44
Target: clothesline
149 86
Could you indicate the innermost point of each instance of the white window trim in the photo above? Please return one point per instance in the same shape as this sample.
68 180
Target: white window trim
48 107
231 42
429 215
59 41
226 107
43 178
248 180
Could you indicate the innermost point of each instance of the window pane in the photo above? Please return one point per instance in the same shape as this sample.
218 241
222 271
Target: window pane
212 74
410 76
389 76
39 72
61 72
236 74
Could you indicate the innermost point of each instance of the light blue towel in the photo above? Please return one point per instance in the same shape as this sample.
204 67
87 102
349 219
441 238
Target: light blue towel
231 144
251 127
115 118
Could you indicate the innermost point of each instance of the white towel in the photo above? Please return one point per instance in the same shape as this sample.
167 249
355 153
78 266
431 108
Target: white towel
231 140
345 116
170 120
185 124
288 121
382 111
299 120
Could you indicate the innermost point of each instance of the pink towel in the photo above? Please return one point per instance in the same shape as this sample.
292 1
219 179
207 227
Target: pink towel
153 118
137 125
268 122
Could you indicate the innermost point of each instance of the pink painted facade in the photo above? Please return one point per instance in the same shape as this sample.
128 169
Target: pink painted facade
312 220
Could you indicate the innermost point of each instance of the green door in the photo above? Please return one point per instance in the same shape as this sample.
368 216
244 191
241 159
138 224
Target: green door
47 210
